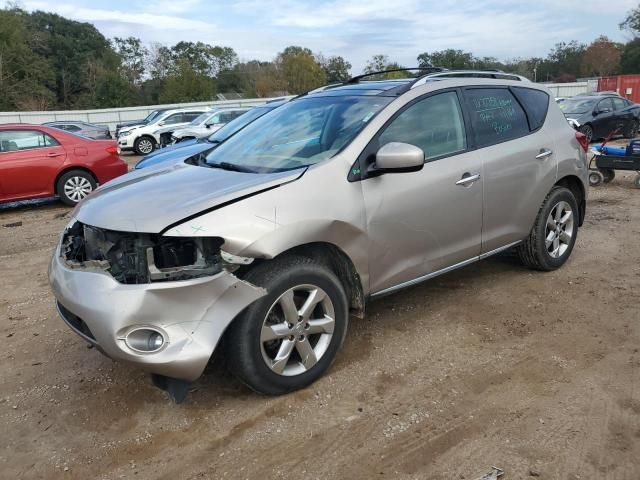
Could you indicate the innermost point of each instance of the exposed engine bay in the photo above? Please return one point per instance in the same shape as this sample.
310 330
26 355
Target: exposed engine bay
136 258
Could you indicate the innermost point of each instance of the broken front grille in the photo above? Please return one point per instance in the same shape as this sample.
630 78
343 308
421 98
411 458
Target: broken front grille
134 258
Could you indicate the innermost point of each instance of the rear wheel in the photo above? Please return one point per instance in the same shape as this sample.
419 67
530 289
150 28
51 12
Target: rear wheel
608 174
595 178
75 185
632 129
587 131
144 145
553 236
287 339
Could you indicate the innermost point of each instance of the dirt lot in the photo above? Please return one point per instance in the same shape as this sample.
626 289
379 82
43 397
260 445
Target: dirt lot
491 365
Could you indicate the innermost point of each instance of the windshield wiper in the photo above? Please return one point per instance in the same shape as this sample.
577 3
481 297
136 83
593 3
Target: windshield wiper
231 167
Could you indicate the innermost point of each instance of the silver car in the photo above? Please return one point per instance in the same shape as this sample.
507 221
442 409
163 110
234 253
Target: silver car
84 129
267 245
206 124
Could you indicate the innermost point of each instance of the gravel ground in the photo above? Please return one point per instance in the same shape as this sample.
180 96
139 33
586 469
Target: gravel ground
537 373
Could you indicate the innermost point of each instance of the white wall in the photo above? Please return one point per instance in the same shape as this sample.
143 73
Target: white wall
112 116
568 89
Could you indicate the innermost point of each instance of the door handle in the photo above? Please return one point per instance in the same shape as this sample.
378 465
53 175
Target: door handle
544 153
468 179
53 154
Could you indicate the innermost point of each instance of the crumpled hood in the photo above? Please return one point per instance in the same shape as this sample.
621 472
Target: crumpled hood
177 152
151 199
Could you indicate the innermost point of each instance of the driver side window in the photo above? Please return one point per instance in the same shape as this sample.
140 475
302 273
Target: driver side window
434 124
605 105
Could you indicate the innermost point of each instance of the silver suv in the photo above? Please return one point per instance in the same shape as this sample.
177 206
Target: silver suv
265 246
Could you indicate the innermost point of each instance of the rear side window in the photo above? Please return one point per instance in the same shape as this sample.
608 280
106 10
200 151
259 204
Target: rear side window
619 103
496 116
535 103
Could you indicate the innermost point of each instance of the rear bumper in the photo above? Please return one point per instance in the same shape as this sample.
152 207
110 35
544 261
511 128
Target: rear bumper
192 315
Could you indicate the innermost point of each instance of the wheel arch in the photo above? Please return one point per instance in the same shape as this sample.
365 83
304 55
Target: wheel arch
69 169
334 258
576 186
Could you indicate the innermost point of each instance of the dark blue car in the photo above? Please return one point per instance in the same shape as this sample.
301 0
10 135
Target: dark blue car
188 148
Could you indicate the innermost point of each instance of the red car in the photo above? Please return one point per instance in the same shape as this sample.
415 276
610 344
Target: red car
39 161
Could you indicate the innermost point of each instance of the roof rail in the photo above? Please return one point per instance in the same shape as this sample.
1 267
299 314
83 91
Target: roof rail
496 74
357 78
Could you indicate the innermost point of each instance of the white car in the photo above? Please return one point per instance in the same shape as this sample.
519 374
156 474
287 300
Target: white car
205 124
142 139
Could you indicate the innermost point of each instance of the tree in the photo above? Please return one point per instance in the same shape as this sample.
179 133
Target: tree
70 48
632 22
336 68
449 58
565 60
133 56
27 81
186 84
300 72
380 63
601 58
630 57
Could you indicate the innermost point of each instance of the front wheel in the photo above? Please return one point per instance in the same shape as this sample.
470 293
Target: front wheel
554 233
144 145
287 339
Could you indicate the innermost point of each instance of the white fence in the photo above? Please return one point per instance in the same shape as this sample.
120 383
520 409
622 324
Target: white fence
112 116
571 89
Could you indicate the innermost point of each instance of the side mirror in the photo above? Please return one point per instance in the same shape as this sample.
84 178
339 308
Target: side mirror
397 157
161 124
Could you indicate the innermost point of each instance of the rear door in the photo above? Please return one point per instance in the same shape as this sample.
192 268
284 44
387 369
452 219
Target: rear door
516 148
29 163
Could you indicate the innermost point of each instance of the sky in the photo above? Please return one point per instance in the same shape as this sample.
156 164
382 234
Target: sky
354 29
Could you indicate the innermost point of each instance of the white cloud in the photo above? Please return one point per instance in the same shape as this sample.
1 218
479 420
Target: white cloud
357 29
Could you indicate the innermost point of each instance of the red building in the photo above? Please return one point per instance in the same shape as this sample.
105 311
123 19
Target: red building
627 86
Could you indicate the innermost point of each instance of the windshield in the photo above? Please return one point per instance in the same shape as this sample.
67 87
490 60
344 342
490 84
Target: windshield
577 105
151 116
298 134
200 118
236 124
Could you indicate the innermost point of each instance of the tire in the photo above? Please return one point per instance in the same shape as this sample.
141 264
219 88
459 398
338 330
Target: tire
144 145
595 178
75 185
536 251
260 335
587 131
608 174
632 129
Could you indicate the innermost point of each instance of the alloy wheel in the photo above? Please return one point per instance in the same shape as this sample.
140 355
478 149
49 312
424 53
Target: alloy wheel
559 230
76 188
145 146
297 330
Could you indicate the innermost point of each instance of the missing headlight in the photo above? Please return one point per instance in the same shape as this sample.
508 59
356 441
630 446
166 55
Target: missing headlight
134 258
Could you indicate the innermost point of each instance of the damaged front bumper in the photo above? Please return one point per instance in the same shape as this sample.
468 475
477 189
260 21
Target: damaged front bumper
190 315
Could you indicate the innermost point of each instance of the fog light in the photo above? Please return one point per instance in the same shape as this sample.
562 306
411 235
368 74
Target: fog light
145 340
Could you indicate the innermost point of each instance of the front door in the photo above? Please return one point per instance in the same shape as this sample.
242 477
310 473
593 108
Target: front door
29 161
422 222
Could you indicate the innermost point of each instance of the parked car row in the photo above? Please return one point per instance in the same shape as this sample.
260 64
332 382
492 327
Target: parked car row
266 243
171 126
